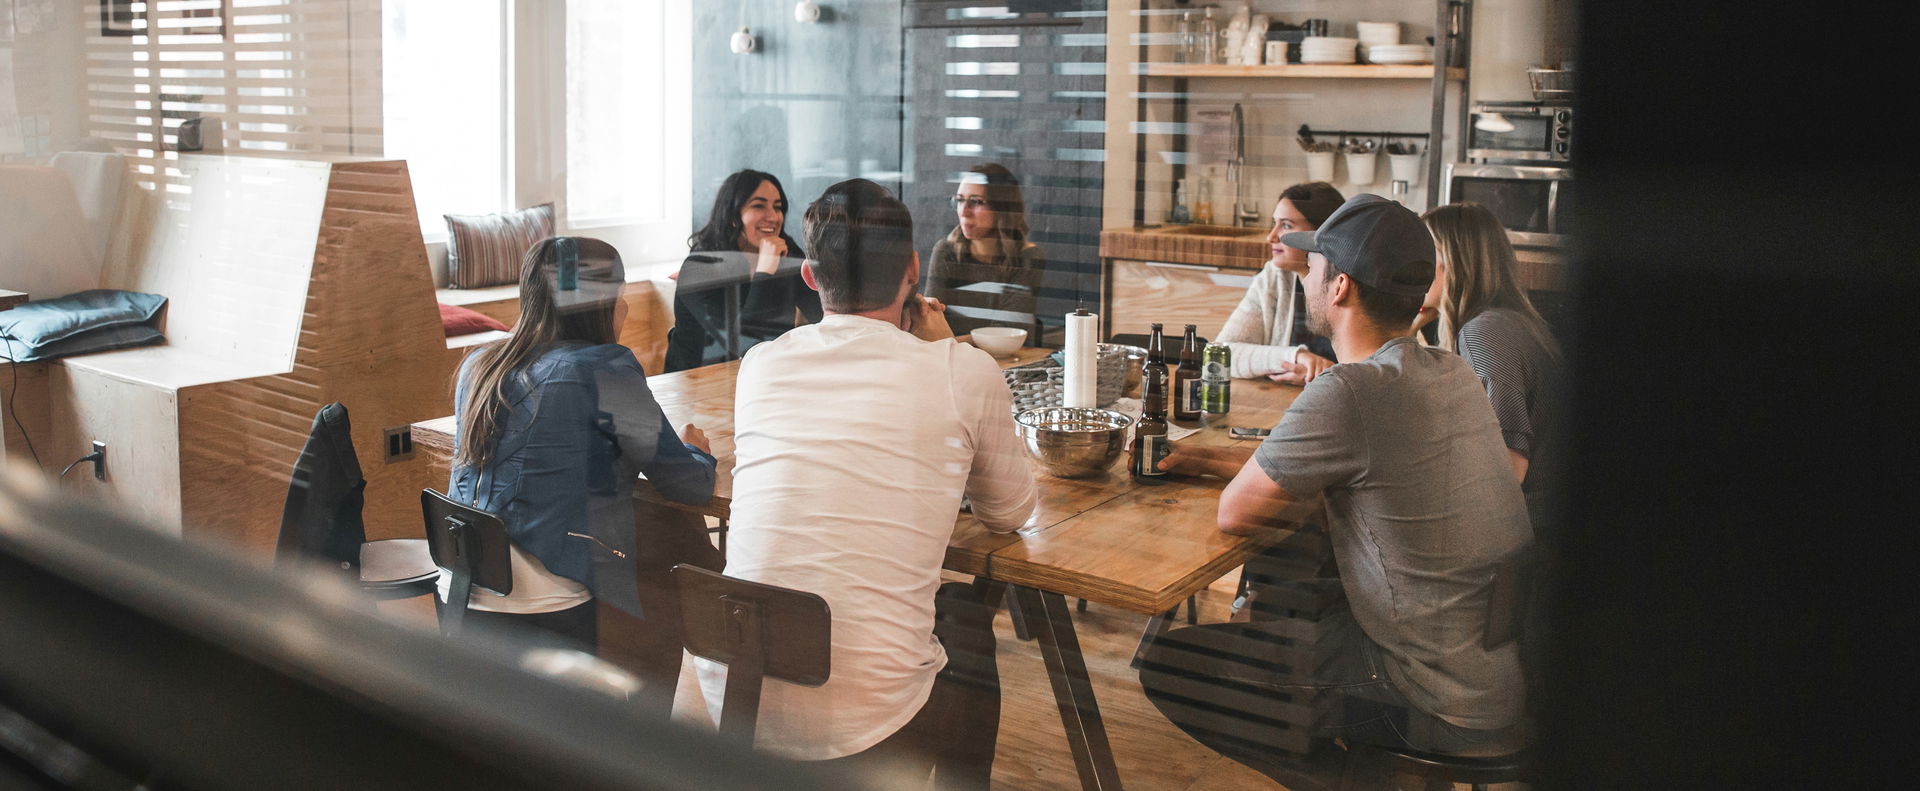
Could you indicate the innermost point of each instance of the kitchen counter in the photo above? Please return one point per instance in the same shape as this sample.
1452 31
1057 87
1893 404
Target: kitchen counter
1207 245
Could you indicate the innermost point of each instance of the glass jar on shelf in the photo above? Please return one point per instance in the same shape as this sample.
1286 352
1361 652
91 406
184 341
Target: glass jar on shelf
1207 40
1183 39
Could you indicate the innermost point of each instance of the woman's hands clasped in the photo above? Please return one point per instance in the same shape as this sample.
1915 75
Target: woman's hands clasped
1305 368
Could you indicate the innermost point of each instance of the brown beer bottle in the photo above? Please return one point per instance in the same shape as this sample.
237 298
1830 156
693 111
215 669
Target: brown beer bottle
1186 379
1150 434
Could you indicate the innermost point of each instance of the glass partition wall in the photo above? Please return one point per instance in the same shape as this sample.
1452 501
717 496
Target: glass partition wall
1131 158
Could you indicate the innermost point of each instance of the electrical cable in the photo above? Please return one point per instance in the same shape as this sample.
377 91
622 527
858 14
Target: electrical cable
94 457
13 390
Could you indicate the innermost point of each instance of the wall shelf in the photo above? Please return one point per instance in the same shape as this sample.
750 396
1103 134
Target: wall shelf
1300 70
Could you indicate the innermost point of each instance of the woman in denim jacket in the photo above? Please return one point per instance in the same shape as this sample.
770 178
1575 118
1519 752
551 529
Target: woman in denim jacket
554 424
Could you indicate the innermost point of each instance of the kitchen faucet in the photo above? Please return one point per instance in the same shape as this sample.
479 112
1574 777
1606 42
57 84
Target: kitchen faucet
1244 212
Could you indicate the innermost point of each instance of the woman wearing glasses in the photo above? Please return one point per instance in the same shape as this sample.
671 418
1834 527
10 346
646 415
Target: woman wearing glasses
986 271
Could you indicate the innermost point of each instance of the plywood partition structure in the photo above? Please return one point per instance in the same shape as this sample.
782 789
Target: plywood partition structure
370 339
212 423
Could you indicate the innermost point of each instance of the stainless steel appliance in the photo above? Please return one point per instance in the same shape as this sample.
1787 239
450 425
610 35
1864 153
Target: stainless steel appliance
1531 201
1520 132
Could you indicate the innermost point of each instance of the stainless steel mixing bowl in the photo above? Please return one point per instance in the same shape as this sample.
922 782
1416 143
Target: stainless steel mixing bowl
1072 442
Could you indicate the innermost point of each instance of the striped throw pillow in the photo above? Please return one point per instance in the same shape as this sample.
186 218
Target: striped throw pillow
486 249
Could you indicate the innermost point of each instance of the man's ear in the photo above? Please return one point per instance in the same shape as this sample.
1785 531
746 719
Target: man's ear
1340 290
913 271
806 274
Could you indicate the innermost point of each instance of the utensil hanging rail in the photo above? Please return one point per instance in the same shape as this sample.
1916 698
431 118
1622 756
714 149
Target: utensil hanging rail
1314 133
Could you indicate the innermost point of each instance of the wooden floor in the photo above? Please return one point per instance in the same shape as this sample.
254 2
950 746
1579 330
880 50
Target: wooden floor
1152 754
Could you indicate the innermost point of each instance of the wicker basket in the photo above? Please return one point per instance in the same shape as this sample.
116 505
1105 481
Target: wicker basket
1043 383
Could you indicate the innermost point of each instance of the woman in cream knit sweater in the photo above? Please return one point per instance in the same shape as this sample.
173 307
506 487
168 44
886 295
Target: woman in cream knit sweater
1267 333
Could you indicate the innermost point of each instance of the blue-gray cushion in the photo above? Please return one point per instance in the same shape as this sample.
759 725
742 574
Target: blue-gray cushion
34 325
99 340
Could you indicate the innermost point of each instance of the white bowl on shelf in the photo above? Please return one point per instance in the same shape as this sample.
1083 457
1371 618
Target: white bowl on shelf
1000 341
1375 34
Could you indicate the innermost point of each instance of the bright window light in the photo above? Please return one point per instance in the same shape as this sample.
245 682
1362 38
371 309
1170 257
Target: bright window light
444 73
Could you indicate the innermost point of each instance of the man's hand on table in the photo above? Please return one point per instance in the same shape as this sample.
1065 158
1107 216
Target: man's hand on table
692 435
1189 459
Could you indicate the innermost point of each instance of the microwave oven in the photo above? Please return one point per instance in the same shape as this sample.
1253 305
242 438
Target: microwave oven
1532 202
1520 132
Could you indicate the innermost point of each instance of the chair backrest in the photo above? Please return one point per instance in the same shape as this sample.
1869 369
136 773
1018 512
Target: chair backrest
756 630
322 516
472 546
1508 599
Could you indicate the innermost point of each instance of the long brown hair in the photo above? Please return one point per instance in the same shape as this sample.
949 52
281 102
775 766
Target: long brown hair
546 318
1009 213
1481 273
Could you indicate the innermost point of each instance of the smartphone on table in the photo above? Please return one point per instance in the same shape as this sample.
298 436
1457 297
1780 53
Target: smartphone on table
1248 432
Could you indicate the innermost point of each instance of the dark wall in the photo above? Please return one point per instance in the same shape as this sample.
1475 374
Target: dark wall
813 105
1735 606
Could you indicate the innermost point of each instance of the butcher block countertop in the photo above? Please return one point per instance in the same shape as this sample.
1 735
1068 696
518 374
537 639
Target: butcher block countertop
1209 245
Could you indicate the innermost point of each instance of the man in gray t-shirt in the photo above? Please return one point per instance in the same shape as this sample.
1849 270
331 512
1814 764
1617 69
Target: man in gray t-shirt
1421 506
1399 446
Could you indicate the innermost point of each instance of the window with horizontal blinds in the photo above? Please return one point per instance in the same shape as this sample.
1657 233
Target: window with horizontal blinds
292 78
990 84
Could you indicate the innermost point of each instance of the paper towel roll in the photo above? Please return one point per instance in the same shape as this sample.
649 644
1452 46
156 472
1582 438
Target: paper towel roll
1082 359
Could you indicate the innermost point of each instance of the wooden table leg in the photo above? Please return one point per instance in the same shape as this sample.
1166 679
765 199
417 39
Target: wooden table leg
1051 618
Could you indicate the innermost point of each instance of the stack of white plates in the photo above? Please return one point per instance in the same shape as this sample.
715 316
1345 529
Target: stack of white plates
1401 53
1327 49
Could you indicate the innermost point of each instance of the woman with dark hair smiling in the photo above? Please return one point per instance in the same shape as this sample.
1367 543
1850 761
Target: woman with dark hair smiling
1267 332
552 426
742 276
987 270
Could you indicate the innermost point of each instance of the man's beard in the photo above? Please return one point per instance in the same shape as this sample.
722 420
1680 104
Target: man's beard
1317 320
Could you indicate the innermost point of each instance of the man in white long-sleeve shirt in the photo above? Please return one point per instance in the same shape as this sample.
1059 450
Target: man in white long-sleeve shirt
855 439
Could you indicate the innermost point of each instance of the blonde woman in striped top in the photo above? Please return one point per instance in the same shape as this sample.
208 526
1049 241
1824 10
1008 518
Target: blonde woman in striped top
1485 315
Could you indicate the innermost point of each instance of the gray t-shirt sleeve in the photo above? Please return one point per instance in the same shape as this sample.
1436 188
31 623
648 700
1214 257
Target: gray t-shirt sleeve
1320 443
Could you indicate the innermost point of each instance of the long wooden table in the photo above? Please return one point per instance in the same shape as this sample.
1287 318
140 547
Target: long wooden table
1105 539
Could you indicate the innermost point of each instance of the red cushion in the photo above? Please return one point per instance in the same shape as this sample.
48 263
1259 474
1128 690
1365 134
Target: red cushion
465 321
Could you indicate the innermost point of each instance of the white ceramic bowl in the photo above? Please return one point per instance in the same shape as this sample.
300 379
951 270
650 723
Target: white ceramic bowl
1378 33
1000 341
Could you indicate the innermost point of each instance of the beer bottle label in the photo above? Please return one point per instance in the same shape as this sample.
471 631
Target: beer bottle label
1192 397
1153 448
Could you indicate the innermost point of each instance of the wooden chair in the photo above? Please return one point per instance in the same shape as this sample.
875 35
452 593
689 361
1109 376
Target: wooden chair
470 546
757 631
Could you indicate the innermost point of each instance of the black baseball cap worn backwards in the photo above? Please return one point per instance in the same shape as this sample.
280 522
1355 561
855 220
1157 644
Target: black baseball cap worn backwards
1371 239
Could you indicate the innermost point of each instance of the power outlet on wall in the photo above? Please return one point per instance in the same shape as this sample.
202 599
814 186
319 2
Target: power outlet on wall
100 464
399 443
